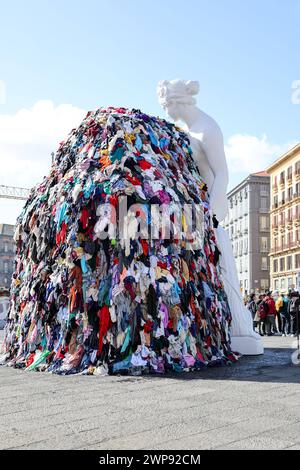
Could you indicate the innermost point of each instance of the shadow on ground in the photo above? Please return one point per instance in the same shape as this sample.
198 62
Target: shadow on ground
275 365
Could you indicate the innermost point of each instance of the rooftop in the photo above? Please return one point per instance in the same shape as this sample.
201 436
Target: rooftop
290 153
7 229
260 173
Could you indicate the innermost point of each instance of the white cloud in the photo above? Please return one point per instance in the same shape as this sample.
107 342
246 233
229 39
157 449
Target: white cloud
249 154
28 137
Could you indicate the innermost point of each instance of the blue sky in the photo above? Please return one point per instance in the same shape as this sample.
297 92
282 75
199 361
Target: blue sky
91 53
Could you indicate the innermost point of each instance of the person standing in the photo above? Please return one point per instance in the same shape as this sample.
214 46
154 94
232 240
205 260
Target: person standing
294 309
261 314
251 306
270 319
282 307
279 305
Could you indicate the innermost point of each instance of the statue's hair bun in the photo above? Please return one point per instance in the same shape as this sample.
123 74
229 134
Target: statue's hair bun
179 91
192 87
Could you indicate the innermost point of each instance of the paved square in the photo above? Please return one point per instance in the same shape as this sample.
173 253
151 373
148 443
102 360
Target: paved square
252 405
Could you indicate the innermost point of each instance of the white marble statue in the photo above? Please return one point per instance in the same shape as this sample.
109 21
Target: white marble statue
177 97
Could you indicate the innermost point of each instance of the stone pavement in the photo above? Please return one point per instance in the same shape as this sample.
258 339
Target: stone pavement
252 405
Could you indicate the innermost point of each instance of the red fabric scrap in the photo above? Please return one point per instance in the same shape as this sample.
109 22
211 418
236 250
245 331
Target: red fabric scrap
104 325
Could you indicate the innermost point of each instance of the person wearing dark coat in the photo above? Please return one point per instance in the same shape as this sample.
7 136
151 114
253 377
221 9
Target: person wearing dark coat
294 311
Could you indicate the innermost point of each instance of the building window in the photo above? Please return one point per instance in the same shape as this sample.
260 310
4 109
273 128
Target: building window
246 246
275 202
282 264
282 283
6 268
297 168
281 180
297 261
264 284
275 265
245 207
290 283
290 193
289 263
264 263
241 248
264 203
289 172
283 197
5 248
276 284
264 244
264 223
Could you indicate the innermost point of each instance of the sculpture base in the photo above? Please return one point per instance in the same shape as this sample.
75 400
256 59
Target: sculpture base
247 345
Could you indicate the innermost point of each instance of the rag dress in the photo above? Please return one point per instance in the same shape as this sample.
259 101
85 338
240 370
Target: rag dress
97 292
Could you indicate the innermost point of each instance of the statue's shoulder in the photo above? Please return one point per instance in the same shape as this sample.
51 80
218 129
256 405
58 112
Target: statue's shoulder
205 128
210 123
196 137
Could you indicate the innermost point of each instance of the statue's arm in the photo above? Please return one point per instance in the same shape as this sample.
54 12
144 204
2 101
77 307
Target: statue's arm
213 145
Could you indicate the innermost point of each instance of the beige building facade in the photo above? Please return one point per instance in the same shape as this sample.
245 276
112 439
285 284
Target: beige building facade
285 221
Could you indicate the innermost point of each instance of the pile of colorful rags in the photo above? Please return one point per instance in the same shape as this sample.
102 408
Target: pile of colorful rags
85 303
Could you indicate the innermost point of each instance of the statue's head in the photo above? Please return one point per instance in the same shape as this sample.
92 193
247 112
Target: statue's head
175 95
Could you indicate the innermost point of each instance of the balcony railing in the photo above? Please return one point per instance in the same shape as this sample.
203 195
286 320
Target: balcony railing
285 201
285 247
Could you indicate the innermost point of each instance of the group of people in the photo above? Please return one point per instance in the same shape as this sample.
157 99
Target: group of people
275 314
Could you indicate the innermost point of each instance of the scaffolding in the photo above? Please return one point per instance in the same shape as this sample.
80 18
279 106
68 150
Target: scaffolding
10 192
